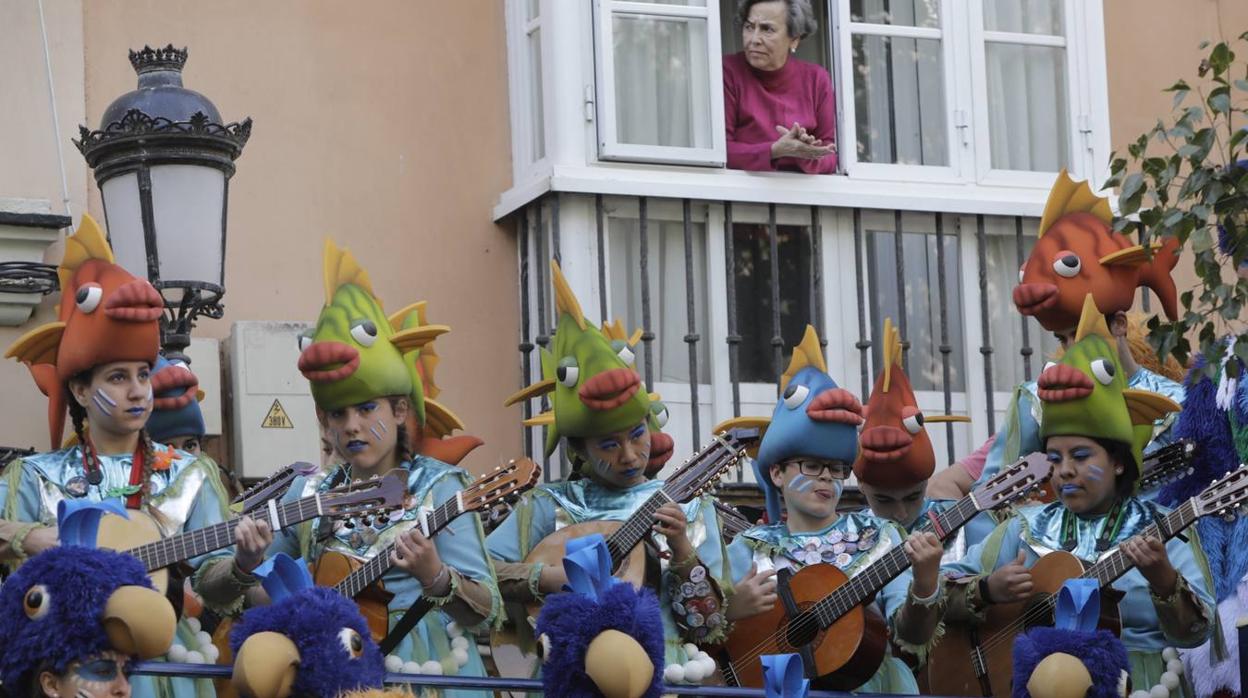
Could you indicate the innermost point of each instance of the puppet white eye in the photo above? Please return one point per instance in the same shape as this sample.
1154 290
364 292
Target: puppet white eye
37 602
543 647
1067 265
305 341
364 332
624 351
88 297
660 414
795 395
351 642
1104 371
567 373
913 423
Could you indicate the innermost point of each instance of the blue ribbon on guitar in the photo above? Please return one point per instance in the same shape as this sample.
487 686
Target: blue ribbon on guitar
783 676
587 562
1078 605
78 520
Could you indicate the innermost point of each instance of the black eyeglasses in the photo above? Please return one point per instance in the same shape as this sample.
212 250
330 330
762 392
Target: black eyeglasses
815 468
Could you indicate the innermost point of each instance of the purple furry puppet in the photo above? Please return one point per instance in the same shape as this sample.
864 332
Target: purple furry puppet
601 637
311 642
1072 659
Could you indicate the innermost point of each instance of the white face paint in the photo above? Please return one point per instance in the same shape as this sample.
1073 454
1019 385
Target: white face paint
103 402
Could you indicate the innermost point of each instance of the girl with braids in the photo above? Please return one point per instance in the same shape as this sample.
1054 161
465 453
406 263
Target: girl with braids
365 384
96 364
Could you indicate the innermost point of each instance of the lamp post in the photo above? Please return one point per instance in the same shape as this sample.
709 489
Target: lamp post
163 159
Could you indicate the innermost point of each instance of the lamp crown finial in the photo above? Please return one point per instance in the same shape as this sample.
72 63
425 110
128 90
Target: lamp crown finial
151 59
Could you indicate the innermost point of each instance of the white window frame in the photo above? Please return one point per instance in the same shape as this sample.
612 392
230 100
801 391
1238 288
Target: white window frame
842 57
609 146
525 166
1087 116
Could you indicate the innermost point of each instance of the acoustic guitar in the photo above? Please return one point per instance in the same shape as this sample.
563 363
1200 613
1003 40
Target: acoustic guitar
824 616
989 650
360 580
272 487
732 523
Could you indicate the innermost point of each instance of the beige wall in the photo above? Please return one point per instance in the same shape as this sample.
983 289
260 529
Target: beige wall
1149 45
382 124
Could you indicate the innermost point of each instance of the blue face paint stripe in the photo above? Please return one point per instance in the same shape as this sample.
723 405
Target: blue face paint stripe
1095 473
384 429
102 405
99 393
801 483
376 434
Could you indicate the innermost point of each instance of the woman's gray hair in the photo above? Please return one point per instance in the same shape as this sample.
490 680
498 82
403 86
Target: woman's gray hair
800 18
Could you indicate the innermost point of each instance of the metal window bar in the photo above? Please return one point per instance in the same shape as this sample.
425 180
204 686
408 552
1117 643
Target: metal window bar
1026 351
945 347
777 339
985 349
543 319
900 254
692 337
556 249
602 258
733 339
647 336
526 346
816 268
863 344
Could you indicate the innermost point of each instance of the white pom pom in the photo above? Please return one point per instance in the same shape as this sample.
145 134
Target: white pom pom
694 672
459 643
431 667
211 653
194 657
192 624
708 666
691 650
1141 694
1170 680
203 639
411 667
1175 666
452 628
394 663
1169 653
1159 691
460 655
674 673
177 654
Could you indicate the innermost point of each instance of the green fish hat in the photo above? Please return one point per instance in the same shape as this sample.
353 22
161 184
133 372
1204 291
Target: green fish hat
1086 393
589 379
355 353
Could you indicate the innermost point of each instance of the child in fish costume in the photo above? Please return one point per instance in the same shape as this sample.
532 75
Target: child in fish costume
808 449
1094 427
599 406
95 363
357 361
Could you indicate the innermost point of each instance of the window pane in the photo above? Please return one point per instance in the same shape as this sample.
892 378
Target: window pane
1024 16
536 110
1004 320
1027 109
753 286
660 81
668 303
899 99
924 363
909 13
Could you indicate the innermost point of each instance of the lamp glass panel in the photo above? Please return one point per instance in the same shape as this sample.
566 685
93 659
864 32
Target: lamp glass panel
124 220
187 201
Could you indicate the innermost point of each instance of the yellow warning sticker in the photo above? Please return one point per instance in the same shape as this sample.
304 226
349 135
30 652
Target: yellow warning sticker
277 418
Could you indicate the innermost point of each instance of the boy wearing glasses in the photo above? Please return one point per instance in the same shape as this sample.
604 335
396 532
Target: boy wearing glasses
804 458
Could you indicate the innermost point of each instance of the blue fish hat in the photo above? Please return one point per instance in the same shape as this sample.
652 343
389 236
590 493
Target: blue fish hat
813 417
175 408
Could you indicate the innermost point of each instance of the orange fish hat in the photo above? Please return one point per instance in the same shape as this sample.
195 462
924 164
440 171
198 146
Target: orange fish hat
106 314
1079 253
894 450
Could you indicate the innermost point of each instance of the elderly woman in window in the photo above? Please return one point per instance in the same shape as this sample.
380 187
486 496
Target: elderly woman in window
780 112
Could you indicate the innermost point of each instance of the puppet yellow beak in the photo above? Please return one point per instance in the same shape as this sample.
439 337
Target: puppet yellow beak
942 418
618 665
139 622
1059 675
265 666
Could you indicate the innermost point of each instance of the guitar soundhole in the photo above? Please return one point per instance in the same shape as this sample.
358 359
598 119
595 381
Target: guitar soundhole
801 630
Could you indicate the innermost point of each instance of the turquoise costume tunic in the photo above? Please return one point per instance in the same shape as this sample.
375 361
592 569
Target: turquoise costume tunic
553 506
1147 622
461 546
1020 434
852 543
189 495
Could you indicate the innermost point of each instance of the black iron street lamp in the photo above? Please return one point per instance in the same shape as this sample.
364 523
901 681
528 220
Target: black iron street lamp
163 161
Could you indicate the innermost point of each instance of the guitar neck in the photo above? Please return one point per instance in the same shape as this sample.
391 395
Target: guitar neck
1116 564
379 564
863 585
185 546
622 542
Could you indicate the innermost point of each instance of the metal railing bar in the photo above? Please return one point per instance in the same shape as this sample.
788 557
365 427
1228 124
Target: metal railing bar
692 337
863 344
733 339
602 259
777 338
981 243
945 348
526 346
1026 351
647 336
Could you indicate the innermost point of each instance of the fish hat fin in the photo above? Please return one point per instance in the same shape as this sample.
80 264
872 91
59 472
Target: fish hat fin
1069 196
440 420
531 391
808 352
415 338
892 352
1146 407
565 300
88 242
426 363
760 423
398 319
1092 321
38 346
614 330
1131 256
341 269
545 419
